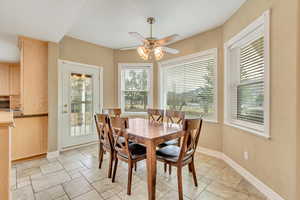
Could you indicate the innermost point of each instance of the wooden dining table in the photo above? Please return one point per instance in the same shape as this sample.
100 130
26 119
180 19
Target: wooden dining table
150 134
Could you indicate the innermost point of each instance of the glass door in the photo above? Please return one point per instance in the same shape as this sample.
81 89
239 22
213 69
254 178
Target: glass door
80 102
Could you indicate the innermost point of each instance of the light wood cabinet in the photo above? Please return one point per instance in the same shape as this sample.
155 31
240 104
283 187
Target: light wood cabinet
4 79
29 137
10 79
14 79
34 76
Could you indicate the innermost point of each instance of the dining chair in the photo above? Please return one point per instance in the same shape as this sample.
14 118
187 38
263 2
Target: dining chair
173 117
184 155
156 115
131 153
106 143
115 112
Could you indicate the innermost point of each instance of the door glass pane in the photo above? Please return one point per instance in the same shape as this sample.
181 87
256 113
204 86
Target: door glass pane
81 101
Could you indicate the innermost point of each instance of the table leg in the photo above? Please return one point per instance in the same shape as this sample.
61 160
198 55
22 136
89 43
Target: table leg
151 170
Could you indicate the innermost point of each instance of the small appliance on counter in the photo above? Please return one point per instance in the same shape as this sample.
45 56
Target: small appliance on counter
4 103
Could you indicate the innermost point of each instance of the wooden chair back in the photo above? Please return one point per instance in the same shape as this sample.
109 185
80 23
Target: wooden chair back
117 126
175 116
192 127
114 112
105 138
156 115
100 120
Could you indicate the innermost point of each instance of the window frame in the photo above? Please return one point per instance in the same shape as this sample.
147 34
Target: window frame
122 66
184 60
260 27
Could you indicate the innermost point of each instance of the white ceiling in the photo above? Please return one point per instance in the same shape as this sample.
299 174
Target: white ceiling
41 19
107 22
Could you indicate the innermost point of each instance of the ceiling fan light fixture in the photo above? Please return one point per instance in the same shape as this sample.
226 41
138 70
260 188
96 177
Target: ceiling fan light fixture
158 53
143 52
153 47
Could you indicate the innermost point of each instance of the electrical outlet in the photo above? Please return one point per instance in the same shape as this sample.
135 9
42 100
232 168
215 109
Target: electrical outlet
246 155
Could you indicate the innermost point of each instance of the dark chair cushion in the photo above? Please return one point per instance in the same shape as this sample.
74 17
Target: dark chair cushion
171 153
136 150
170 142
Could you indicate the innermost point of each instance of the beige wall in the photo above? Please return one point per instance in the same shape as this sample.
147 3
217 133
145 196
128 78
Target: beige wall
83 52
211 137
272 161
53 55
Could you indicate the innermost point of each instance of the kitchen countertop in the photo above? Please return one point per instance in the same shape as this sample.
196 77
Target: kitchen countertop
6 118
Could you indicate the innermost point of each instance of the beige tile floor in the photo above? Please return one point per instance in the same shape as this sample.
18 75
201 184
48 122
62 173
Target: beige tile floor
75 175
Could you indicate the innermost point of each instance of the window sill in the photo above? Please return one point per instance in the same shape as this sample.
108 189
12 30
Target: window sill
135 114
248 130
211 121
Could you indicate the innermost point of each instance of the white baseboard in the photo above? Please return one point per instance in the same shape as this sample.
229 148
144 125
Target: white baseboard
78 146
209 152
52 154
259 185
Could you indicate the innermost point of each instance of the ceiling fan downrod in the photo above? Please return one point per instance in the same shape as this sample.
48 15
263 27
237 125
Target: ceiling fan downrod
151 20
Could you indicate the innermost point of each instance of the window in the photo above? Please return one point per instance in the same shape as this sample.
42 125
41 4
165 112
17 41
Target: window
135 87
247 78
189 84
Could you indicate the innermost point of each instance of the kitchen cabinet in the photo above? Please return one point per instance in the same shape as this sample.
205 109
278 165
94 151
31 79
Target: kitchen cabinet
34 76
29 137
14 79
4 79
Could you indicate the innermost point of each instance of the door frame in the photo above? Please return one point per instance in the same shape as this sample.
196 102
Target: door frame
60 62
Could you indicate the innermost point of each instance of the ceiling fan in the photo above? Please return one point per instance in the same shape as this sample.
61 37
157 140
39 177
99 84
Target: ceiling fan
152 46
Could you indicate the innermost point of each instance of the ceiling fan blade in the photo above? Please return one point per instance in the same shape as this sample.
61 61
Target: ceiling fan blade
128 48
168 40
170 50
138 36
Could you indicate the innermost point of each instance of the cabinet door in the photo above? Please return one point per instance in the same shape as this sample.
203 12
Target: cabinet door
29 137
14 79
35 76
4 79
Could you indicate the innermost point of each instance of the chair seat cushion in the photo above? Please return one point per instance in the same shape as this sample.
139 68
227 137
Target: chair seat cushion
170 142
136 150
170 153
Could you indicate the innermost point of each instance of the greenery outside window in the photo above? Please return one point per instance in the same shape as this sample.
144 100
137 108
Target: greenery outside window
135 83
189 84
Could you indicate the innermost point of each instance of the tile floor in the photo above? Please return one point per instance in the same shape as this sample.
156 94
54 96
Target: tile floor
75 175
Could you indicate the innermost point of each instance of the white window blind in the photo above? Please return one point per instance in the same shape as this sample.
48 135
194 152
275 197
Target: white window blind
250 90
246 73
189 85
135 88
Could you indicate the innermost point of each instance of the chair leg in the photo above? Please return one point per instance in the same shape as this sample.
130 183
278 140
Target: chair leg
100 157
111 160
129 178
179 180
135 166
115 170
165 167
190 167
194 173
170 169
